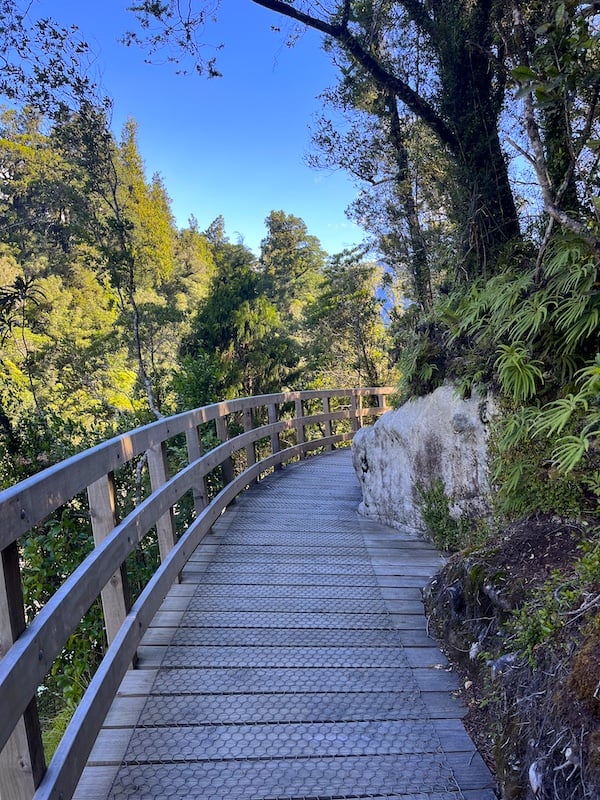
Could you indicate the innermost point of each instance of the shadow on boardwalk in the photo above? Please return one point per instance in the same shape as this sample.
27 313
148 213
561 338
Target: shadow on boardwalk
292 662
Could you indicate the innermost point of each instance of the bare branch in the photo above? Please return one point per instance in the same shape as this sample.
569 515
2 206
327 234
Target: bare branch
340 32
521 150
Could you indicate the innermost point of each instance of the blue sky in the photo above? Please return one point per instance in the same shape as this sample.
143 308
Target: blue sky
236 145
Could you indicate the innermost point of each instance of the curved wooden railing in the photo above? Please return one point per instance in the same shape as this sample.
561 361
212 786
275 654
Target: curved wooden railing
28 651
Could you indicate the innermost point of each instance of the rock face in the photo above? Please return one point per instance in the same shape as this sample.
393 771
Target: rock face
439 436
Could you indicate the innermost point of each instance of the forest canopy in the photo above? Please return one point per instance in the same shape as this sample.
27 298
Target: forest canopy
472 131
111 315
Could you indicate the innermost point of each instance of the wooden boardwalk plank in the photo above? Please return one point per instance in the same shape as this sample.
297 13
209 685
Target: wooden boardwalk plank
293 661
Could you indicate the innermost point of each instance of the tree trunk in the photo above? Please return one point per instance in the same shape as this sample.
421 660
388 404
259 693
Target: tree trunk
465 117
421 274
471 99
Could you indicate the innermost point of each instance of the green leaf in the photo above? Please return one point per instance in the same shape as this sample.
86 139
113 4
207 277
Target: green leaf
569 451
523 73
556 415
518 374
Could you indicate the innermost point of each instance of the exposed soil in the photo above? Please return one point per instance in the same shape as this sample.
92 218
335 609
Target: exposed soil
532 722
529 551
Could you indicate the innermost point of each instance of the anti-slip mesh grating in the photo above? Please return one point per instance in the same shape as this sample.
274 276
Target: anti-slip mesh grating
292 679
311 706
287 678
286 637
415 776
275 619
308 570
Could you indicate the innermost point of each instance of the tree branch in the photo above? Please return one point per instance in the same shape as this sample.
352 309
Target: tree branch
539 157
340 32
541 172
286 10
420 17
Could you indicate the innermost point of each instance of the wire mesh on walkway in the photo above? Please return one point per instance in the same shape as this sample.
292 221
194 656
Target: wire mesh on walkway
290 675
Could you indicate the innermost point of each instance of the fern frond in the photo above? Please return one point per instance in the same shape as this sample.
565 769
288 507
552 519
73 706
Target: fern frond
569 451
589 377
517 373
581 330
511 481
516 427
556 415
531 316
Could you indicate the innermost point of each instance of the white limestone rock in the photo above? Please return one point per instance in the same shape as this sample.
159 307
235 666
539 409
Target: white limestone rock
439 436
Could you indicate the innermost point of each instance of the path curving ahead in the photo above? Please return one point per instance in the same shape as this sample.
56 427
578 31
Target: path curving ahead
292 662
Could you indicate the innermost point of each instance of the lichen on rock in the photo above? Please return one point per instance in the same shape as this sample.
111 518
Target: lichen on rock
440 437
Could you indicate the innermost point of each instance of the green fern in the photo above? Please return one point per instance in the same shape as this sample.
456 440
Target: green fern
570 311
574 410
555 416
592 481
569 451
535 328
589 377
531 317
518 374
516 427
426 371
509 480
506 291
568 260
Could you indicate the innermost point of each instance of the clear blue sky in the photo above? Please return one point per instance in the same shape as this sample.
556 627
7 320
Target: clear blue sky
235 145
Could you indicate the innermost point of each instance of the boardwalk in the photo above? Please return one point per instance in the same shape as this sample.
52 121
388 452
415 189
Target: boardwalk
292 662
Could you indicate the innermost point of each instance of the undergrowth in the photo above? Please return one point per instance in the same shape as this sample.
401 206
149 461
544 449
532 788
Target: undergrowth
529 335
448 532
558 604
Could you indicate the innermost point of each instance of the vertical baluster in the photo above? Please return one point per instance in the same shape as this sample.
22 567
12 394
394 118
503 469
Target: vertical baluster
248 426
356 409
165 525
194 449
275 445
104 518
300 424
22 763
327 422
227 465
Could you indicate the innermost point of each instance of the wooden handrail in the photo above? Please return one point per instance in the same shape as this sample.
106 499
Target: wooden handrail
29 652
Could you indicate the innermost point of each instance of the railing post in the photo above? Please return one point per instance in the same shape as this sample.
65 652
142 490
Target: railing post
300 437
248 426
165 525
194 449
223 435
327 422
103 516
275 445
22 763
355 403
